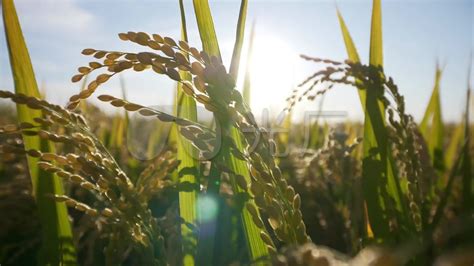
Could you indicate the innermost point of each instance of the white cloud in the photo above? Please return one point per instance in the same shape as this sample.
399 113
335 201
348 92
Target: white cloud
63 17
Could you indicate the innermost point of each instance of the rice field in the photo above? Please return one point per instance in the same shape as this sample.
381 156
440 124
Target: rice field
153 186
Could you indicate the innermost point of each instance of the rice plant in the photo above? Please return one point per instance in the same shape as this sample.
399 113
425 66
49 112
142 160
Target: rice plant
57 236
384 192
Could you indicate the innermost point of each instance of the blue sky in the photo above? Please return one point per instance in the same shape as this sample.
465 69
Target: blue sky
416 34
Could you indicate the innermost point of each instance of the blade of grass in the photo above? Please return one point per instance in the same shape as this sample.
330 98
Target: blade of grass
432 127
115 139
248 75
373 204
466 162
57 247
453 146
285 125
239 39
210 45
186 108
155 138
257 248
447 190
206 27
124 96
351 51
376 40
316 138
375 134
119 124
376 124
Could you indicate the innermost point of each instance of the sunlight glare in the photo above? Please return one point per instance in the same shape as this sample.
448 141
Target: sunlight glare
272 73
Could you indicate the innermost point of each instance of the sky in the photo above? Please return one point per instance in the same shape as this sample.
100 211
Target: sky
416 34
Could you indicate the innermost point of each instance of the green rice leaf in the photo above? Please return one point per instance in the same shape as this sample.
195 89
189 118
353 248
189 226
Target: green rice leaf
247 79
206 27
466 161
116 134
57 246
210 45
454 171
454 144
185 107
376 42
316 138
119 124
351 50
285 125
257 248
239 40
378 164
375 129
350 46
432 127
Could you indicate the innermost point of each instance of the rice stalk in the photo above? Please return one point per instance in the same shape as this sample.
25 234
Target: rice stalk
57 247
188 170
467 202
257 248
208 38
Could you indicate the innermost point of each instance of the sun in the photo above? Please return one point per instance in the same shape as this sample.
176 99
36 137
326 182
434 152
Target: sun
272 68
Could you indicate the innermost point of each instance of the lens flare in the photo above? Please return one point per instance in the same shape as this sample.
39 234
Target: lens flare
207 208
